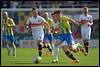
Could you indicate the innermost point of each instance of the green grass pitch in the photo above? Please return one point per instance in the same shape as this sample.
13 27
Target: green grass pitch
25 55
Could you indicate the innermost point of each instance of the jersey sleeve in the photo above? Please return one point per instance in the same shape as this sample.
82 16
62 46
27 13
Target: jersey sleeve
28 22
51 22
91 18
43 20
11 22
70 19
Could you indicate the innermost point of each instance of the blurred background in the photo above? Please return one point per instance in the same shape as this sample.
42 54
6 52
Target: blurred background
20 11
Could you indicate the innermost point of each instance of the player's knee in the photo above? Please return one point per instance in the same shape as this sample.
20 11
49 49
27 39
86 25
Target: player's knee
58 42
86 44
68 53
40 46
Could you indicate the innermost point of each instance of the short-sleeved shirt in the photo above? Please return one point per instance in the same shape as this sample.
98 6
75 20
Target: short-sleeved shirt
85 18
64 25
9 22
36 24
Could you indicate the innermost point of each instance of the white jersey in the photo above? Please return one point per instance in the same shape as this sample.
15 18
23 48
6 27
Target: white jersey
86 18
85 28
36 25
55 26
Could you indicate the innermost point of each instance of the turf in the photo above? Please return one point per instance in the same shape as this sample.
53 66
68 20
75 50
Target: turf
25 55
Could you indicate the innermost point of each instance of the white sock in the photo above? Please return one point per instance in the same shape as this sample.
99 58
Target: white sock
14 51
74 46
56 52
8 48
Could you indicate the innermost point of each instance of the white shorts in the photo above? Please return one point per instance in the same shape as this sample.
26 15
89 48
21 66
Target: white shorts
86 32
38 35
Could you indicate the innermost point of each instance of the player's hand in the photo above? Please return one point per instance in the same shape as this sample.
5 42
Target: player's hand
89 24
49 32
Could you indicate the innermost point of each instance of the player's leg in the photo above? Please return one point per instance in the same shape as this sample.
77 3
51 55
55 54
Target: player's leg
11 39
51 38
50 43
68 53
7 43
86 44
67 48
56 50
38 37
47 44
8 47
40 45
78 47
86 39
14 49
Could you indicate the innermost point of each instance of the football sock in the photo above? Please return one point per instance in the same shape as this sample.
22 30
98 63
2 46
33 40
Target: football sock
8 48
70 55
56 52
50 49
40 49
86 46
14 51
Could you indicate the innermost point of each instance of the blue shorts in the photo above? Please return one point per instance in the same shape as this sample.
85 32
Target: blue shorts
48 37
9 38
68 37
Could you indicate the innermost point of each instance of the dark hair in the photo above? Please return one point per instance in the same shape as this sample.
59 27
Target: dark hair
52 14
57 12
85 7
34 8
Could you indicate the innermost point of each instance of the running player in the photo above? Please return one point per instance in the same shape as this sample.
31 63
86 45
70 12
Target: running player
7 26
86 22
35 25
65 34
70 40
48 38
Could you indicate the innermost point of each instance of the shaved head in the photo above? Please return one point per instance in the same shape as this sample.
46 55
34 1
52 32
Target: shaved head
5 14
45 15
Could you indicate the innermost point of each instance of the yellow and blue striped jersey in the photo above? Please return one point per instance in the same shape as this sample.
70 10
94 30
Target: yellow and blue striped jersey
64 24
50 22
8 24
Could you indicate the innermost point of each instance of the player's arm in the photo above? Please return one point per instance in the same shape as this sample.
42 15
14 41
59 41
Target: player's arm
51 24
47 26
2 26
91 22
27 26
73 21
11 23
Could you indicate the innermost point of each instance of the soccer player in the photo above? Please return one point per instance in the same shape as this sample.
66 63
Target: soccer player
35 25
64 30
86 22
48 38
65 34
7 27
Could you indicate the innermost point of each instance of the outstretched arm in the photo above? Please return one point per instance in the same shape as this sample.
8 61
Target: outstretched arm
73 21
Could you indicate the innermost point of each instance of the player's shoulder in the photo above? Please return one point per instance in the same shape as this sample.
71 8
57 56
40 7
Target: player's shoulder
40 17
50 19
10 19
81 15
89 15
30 17
64 17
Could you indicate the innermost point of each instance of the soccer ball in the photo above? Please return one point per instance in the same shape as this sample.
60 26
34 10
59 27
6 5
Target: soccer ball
37 59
